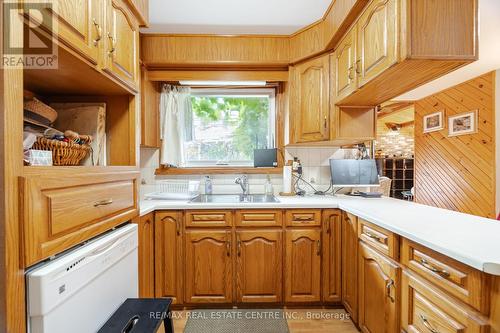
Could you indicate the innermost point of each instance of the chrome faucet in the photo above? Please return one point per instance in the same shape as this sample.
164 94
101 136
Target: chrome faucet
243 182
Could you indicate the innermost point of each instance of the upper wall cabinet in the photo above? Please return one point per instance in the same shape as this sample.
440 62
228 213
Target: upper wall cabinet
122 44
309 104
79 25
376 40
401 44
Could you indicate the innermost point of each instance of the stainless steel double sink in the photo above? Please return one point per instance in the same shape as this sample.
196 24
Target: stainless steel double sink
234 198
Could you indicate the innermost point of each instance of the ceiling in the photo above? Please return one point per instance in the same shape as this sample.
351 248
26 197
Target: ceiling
275 17
489 55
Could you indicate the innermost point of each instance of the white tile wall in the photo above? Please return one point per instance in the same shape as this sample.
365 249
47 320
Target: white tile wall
315 163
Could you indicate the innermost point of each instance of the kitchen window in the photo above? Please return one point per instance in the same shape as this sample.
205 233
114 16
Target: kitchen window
226 125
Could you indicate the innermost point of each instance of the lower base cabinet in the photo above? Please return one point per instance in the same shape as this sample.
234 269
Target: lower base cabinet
331 251
169 256
349 266
425 309
303 265
378 290
146 256
259 266
208 270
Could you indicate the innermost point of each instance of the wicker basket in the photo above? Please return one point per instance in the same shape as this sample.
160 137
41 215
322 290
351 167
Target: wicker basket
63 153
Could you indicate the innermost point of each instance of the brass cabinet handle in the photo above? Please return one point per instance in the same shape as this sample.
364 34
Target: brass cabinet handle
239 248
113 44
372 236
318 243
178 227
427 324
303 219
103 202
350 73
441 272
98 29
328 228
325 124
388 288
358 70
228 248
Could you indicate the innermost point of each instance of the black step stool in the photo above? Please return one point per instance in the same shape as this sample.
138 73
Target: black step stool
141 315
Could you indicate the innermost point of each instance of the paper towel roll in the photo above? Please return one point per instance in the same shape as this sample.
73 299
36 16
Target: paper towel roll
287 179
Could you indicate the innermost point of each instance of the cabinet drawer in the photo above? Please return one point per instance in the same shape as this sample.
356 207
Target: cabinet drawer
259 218
60 212
302 218
210 218
457 279
383 240
428 310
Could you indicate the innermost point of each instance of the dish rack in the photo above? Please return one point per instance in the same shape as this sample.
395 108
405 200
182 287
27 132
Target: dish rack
175 190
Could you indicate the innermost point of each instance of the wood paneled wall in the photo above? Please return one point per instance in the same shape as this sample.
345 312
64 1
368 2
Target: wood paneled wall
458 173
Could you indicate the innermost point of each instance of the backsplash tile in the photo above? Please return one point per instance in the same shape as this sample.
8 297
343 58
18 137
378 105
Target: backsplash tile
315 161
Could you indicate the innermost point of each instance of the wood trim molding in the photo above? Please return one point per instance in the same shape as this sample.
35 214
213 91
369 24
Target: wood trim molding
217 170
204 75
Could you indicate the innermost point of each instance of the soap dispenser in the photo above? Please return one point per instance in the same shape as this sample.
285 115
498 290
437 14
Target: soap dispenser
268 189
208 185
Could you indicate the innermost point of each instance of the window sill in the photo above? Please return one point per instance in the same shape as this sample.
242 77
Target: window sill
217 170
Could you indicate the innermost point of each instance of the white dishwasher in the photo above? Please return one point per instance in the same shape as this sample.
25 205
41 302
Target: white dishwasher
79 291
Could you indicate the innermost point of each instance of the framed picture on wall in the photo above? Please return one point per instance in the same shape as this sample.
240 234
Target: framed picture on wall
464 123
433 122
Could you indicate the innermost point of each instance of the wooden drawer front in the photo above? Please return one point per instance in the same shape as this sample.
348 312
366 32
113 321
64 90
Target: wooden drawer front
302 218
427 310
211 218
381 239
60 212
457 279
259 218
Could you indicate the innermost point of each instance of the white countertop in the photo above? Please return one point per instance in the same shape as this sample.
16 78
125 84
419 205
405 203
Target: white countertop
472 240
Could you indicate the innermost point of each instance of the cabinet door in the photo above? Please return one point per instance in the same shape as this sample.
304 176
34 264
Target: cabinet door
379 279
343 73
350 264
208 266
377 39
331 256
146 256
303 265
426 309
79 25
150 112
122 44
259 266
310 106
168 255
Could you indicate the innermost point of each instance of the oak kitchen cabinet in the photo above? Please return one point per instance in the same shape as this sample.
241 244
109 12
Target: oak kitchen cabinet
379 283
259 266
122 44
169 264
309 101
303 265
342 66
349 253
331 250
209 266
146 256
150 112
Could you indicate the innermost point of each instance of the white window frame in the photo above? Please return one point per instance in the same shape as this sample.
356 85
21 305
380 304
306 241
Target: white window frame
238 92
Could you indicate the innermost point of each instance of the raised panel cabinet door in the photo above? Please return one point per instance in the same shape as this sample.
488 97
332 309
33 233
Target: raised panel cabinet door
169 255
209 266
331 256
312 107
350 264
78 24
259 266
379 283
343 71
122 41
303 265
377 39
150 112
146 256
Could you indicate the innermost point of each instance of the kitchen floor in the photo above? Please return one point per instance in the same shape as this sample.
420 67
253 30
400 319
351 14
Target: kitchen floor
300 321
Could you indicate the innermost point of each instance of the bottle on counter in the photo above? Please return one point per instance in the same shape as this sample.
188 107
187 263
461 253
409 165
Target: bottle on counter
268 187
208 185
